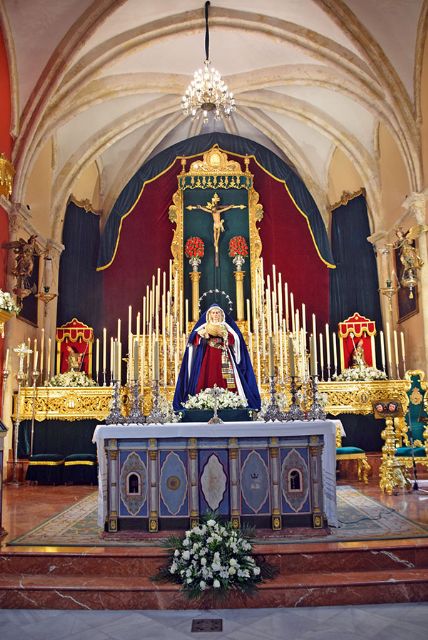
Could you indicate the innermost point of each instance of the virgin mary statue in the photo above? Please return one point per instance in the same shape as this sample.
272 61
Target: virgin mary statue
216 353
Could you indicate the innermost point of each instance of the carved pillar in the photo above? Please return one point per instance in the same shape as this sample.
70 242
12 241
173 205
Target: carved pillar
235 494
153 486
193 482
415 204
195 276
275 484
239 278
112 489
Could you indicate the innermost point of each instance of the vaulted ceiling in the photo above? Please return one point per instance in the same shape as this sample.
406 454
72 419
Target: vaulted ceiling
104 78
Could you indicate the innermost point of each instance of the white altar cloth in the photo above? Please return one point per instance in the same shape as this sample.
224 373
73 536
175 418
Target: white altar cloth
327 428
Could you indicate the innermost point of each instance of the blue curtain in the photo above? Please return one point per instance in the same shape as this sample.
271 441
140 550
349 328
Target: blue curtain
80 285
354 283
234 144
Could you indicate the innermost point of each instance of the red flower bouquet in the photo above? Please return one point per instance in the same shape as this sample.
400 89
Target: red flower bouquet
194 247
238 247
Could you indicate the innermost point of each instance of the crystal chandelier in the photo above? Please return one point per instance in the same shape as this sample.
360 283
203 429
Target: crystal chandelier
207 92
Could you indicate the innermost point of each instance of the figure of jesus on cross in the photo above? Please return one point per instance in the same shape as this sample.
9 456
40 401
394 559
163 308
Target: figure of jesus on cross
216 211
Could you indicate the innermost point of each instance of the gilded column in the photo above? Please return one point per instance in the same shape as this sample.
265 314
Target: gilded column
113 491
195 276
193 481
315 452
235 511
275 484
239 279
153 485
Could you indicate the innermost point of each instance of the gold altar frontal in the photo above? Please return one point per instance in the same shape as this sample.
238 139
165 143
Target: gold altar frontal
80 403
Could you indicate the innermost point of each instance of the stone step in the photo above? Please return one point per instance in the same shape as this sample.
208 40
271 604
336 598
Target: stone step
127 592
287 558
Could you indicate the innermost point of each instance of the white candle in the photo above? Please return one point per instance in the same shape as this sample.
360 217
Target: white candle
304 319
34 354
6 362
118 329
297 322
36 359
97 357
321 357
48 375
314 333
314 371
286 305
396 352
104 349
388 349
327 344
291 351
334 351
42 354
135 353
138 329
280 296
403 351
112 369
292 312
248 316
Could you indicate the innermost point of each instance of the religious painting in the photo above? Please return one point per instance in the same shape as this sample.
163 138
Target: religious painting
407 305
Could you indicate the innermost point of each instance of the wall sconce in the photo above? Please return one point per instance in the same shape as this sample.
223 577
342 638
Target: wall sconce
46 295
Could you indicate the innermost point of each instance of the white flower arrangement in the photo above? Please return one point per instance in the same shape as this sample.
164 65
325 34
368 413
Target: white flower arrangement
72 379
360 373
7 302
204 400
213 557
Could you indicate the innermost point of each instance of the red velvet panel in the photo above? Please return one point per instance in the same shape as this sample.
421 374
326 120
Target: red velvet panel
147 233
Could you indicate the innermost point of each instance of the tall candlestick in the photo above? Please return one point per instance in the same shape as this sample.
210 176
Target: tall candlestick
138 328
327 344
156 361
35 360
6 362
34 353
271 358
291 352
119 366
136 359
112 353
118 329
28 353
314 371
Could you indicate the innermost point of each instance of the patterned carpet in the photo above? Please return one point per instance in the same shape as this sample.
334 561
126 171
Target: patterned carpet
360 518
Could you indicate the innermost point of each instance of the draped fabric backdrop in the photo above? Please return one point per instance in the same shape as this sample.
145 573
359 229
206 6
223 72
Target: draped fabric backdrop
80 285
138 234
354 283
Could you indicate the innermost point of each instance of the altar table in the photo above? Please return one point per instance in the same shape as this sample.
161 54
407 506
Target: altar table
156 472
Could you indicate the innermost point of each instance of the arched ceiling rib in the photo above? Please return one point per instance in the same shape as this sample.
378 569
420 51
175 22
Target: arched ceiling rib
105 78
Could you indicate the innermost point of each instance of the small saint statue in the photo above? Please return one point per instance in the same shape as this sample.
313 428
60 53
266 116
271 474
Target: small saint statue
216 211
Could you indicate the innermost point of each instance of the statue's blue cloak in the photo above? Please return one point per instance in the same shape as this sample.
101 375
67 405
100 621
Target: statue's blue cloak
191 366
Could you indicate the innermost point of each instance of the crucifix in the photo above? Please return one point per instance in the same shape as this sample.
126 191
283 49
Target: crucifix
216 211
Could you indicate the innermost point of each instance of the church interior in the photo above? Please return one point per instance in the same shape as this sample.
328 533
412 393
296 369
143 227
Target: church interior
214 305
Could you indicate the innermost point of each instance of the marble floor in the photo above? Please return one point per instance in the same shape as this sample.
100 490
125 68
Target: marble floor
358 622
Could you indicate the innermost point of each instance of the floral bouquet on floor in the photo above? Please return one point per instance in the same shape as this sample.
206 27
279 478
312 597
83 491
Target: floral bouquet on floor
214 558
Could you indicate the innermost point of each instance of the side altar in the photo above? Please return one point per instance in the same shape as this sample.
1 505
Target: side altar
273 475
